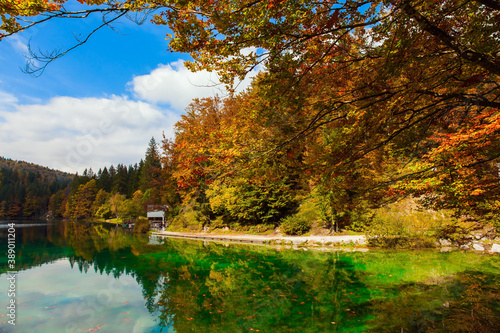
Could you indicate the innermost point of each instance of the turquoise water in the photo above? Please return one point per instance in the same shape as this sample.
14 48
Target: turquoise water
83 277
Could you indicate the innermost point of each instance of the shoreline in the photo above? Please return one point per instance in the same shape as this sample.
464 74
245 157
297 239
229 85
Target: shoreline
358 242
344 240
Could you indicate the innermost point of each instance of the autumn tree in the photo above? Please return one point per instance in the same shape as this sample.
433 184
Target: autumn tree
382 97
84 200
133 207
222 165
100 199
31 205
381 78
57 203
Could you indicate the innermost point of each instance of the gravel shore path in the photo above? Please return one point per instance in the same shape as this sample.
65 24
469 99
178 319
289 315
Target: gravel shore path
259 239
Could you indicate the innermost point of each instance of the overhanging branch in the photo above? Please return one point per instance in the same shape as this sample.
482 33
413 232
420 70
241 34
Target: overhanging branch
36 70
480 59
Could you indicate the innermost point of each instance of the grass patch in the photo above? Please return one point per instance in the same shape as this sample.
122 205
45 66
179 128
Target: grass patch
114 221
405 224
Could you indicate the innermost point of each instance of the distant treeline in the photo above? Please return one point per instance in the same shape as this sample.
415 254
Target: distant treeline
29 190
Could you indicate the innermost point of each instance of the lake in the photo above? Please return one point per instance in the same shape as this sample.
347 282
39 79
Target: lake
83 277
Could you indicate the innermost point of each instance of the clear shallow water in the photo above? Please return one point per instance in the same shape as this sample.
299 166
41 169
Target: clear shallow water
79 277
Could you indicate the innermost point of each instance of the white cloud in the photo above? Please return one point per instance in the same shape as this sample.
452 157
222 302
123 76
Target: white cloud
175 85
19 44
72 134
7 101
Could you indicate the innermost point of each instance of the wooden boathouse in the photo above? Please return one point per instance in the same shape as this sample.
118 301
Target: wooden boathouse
156 217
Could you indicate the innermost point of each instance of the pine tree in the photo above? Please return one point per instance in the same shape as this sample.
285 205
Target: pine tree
151 170
120 180
104 181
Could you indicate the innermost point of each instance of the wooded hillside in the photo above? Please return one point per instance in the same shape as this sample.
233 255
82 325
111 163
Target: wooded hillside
27 189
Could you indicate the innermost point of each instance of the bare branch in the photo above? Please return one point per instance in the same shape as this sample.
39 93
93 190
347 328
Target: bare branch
36 70
468 98
63 14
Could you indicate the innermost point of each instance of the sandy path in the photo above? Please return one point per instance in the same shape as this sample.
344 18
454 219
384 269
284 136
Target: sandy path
346 239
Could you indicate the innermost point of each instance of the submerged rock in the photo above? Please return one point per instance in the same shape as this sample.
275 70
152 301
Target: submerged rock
444 242
478 247
495 248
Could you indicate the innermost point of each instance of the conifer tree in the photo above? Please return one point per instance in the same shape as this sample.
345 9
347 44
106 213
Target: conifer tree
150 178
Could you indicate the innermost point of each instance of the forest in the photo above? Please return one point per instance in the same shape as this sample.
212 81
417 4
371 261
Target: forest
359 105
29 190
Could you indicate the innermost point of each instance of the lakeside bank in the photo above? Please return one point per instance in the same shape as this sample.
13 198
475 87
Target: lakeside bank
338 241
341 240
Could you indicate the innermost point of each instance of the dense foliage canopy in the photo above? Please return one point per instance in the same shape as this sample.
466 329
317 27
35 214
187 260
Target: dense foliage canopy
364 101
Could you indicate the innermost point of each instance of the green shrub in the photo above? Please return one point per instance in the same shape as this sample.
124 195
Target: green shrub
104 211
491 217
406 219
248 203
458 232
141 226
188 218
218 223
309 210
360 220
260 229
402 242
295 225
405 225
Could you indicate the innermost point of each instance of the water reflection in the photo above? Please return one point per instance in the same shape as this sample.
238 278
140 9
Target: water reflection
191 286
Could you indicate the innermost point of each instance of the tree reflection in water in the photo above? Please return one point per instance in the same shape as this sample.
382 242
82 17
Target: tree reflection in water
194 286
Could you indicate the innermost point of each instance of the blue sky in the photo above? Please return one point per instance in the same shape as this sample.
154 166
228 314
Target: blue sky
101 103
